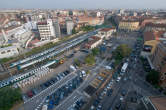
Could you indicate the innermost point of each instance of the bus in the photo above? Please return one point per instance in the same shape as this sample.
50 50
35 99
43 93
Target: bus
124 68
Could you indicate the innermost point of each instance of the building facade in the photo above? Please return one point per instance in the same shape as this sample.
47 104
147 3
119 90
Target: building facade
69 27
46 30
129 25
158 61
107 32
57 29
93 21
155 27
93 42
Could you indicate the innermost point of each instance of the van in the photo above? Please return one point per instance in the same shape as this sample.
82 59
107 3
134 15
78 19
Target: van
72 68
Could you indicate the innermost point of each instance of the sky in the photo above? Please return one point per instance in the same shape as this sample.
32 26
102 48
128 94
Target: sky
87 4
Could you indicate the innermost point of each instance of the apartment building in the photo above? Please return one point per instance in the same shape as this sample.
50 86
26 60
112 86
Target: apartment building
158 61
7 52
155 27
93 21
57 28
46 30
155 51
69 27
128 25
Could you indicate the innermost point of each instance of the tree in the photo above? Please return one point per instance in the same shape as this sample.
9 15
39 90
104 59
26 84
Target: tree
74 31
87 28
153 77
77 62
122 51
9 96
4 60
90 59
95 51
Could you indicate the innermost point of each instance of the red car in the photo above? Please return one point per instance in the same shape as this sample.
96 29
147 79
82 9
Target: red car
30 94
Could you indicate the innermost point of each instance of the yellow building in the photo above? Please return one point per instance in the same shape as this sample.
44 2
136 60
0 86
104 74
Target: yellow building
149 48
150 43
129 25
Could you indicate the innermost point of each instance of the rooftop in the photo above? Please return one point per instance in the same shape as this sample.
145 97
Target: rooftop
149 36
94 39
107 29
155 25
154 35
159 102
132 20
42 23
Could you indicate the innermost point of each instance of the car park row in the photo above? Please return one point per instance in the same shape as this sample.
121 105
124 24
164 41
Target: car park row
45 85
59 95
77 104
107 91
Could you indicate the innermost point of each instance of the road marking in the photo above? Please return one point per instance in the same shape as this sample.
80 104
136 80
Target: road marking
69 97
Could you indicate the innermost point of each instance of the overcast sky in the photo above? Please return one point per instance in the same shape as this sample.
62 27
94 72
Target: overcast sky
75 4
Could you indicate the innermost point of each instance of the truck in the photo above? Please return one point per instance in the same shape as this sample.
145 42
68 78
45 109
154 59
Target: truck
124 68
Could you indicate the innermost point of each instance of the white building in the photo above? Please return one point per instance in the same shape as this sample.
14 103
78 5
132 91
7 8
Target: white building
107 32
121 11
135 14
93 42
46 30
98 14
69 27
7 52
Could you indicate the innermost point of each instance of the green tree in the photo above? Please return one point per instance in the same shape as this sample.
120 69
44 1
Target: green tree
9 96
153 77
95 51
90 59
4 60
77 62
74 31
87 28
122 51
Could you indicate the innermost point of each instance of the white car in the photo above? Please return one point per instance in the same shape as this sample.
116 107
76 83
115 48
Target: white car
92 107
108 87
83 73
121 98
108 67
119 78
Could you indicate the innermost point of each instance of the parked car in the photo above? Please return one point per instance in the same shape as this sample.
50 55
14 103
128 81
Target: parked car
123 92
30 94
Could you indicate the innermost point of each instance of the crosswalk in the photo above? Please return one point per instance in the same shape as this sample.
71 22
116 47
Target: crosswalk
40 105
